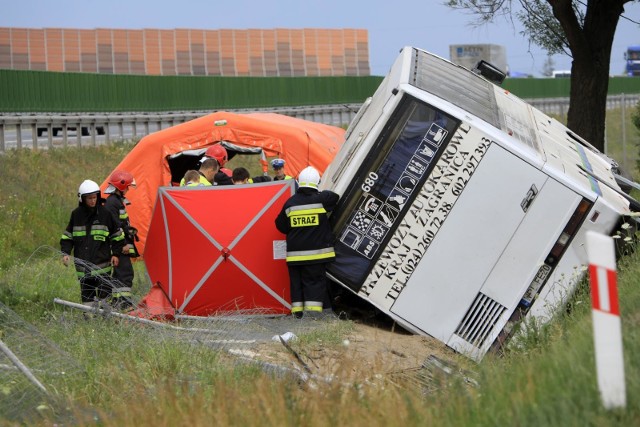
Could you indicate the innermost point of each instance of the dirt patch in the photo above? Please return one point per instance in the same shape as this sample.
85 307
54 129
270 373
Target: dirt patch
370 345
396 348
366 351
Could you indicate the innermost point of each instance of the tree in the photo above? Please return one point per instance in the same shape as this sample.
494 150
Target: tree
635 118
582 31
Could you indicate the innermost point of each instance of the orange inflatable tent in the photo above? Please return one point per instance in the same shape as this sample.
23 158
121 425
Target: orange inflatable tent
161 158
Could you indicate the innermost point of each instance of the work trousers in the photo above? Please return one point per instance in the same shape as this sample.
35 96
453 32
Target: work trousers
124 271
123 275
95 287
309 287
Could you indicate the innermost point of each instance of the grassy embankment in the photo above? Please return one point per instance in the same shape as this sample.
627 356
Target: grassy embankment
134 376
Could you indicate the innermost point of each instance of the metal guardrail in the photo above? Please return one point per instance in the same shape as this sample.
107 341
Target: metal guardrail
84 129
560 106
52 130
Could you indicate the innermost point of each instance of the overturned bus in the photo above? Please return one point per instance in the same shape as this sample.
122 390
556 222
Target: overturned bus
463 209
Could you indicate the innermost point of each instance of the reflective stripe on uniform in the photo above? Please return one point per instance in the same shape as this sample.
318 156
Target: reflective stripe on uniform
79 231
313 306
99 232
125 291
121 294
66 236
296 307
123 214
312 208
97 272
100 229
310 255
307 184
117 236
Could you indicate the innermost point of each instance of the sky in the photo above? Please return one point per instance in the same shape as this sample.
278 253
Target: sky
425 24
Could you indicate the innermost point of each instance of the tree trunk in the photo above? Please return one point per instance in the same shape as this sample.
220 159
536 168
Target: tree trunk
587 106
591 49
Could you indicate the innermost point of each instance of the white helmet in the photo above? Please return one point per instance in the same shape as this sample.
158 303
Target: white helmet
87 187
309 177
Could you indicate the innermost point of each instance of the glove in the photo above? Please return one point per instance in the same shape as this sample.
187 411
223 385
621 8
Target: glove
133 234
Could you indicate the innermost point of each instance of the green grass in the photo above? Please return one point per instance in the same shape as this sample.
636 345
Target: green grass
39 190
627 154
624 147
133 376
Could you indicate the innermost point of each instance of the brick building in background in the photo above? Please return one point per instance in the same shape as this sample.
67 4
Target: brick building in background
276 52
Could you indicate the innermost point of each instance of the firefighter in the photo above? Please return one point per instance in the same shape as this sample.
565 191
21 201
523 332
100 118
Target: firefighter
119 184
304 220
207 171
278 168
218 152
96 240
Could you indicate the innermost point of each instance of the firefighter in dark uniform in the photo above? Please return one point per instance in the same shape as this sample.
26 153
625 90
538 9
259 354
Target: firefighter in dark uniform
96 240
304 219
119 184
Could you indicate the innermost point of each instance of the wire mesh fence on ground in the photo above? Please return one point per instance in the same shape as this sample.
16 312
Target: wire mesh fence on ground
36 376
32 371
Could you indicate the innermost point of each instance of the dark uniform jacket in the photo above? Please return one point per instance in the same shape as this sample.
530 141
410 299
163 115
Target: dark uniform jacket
304 220
93 235
222 178
115 204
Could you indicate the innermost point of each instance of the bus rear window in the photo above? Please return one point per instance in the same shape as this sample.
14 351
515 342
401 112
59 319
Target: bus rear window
385 185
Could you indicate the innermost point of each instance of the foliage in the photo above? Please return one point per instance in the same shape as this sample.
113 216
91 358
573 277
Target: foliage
542 27
581 30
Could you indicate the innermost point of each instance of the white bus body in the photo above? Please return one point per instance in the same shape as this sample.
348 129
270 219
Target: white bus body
463 209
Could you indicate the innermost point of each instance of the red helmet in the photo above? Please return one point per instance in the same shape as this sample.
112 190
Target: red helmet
217 152
122 180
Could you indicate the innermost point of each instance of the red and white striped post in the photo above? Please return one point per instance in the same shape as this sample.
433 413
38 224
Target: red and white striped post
607 331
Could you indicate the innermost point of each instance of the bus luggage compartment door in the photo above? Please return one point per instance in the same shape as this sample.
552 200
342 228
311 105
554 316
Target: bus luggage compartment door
489 248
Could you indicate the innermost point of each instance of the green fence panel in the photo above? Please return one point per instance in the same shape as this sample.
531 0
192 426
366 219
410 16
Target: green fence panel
618 85
42 91
538 88
37 91
560 87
